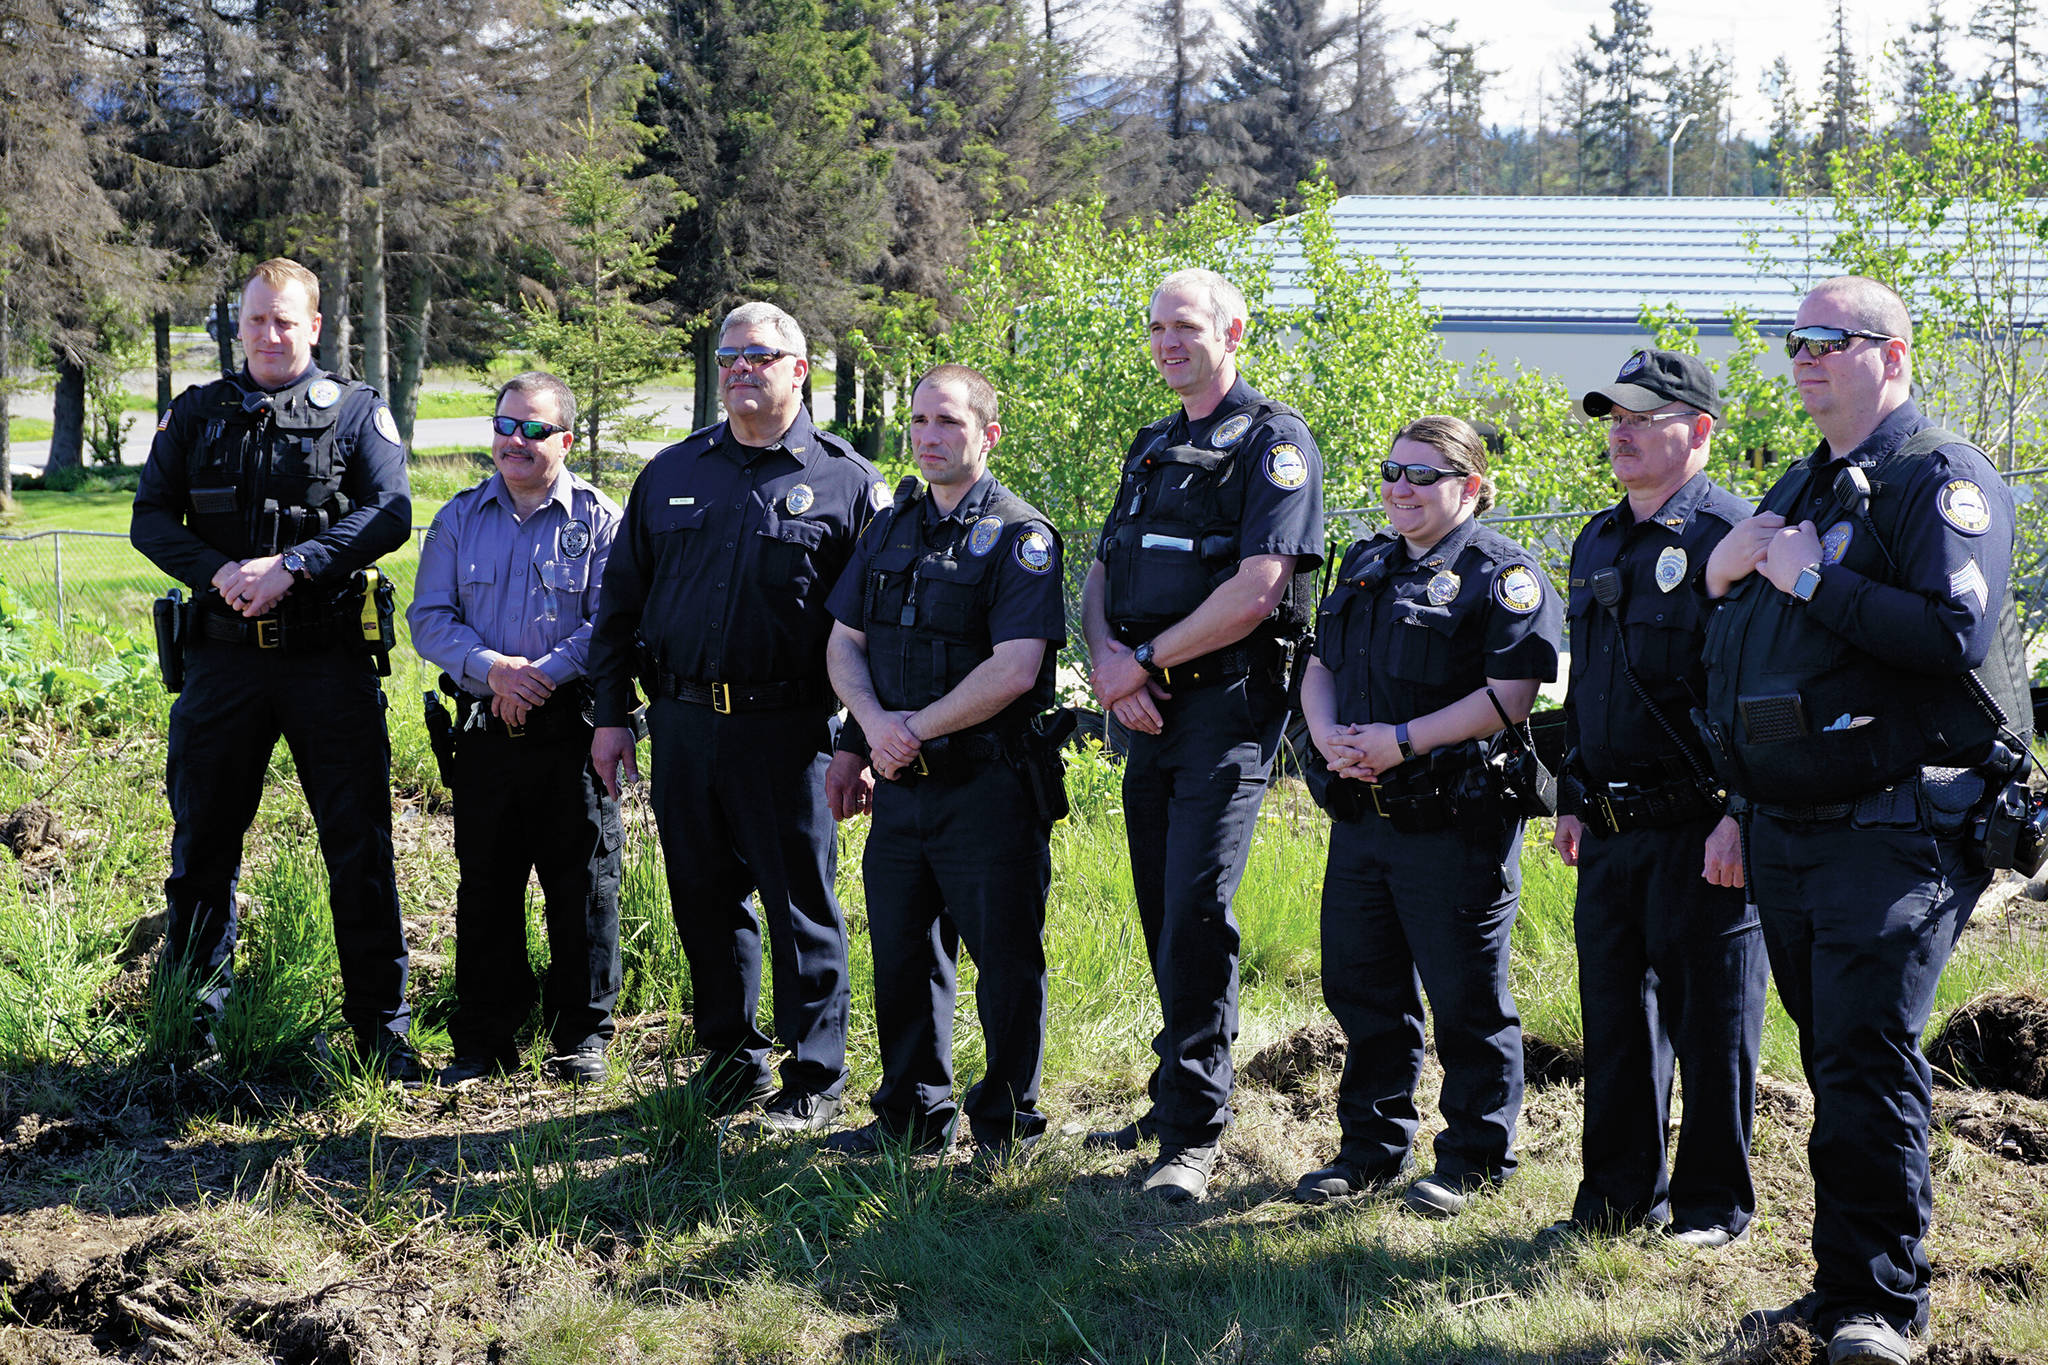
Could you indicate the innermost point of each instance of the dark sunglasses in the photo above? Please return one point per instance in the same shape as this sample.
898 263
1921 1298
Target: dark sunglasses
756 356
530 429
1820 341
1419 475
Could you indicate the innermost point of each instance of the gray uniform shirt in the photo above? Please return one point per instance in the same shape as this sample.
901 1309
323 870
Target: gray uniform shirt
492 585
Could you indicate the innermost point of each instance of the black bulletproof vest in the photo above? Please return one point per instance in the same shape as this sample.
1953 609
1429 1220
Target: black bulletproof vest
1177 539
926 607
267 471
1775 681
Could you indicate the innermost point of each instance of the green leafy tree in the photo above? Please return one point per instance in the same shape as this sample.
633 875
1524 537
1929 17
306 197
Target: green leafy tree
599 337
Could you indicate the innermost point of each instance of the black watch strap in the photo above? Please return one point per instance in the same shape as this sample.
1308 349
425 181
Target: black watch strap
1401 738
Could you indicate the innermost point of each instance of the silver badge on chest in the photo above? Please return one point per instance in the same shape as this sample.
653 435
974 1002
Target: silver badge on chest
1670 568
798 500
1443 589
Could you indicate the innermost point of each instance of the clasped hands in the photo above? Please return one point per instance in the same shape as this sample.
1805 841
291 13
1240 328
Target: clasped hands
1126 690
253 586
517 686
1763 544
1361 752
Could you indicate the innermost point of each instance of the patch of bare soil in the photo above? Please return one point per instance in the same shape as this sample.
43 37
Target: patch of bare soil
1996 1042
1545 1063
1782 1100
1293 1064
2003 1124
1787 1344
1947 1353
92 1287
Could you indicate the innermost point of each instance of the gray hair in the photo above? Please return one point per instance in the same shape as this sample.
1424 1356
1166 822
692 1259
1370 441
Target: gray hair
540 382
759 314
1226 300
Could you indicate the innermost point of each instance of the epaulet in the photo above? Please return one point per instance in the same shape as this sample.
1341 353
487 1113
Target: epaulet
1728 508
1011 508
838 445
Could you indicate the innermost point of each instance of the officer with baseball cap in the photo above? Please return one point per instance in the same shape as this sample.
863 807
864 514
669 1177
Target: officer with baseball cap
1671 958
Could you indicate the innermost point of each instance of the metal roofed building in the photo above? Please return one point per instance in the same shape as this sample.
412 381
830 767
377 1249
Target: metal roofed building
1557 283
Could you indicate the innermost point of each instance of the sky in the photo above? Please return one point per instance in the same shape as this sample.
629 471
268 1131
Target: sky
1526 39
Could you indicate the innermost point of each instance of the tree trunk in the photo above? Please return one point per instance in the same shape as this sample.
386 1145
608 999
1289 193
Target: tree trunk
705 365
67 433
160 325
376 372
845 390
338 340
6 435
412 352
871 414
227 318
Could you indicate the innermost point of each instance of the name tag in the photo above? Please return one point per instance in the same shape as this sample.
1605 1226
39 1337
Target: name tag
682 502
1152 542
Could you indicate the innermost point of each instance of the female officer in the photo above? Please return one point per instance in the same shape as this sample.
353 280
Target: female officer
1427 636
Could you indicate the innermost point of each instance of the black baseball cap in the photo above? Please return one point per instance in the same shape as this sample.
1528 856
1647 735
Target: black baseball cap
1650 379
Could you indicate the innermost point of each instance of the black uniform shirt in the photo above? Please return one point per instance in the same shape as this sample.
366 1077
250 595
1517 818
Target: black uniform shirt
375 484
725 558
1026 600
1663 625
1405 637
1283 507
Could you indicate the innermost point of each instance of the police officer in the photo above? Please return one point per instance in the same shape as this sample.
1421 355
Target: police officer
1431 640
949 619
1863 671
508 584
1671 958
1202 584
731 541
266 493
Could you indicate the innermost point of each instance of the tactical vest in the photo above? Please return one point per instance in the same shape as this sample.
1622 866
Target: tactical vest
1177 540
267 471
1783 694
926 607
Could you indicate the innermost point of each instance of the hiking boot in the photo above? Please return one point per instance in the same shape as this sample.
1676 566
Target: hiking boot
1867 1339
799 1111
1181 1175
1341 1180
1432 1196
584 1066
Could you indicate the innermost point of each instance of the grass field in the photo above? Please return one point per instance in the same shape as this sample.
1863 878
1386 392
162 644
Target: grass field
281 1205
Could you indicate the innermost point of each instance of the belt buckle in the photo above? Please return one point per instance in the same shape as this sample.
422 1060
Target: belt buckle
1166 678
921 768
269 633
515 731
1378 808
721 698
1607 804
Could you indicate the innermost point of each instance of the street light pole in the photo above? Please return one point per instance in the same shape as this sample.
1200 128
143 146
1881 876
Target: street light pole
1671 153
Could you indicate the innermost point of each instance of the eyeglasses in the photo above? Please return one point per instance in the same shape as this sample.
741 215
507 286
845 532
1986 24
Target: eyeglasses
1820 341
1419 475
1643 421
757 357
530 429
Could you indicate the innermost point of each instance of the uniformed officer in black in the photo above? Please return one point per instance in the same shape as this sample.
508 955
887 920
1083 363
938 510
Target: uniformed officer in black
1671 958
266 493
731 541
949 619
1203 582
1863 662
508 584
1430 641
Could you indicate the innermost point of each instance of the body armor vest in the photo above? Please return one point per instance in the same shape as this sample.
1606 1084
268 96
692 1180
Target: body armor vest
1177 540
1778 686
926 606
267 472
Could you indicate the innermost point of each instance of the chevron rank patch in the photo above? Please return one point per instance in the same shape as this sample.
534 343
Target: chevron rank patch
1968 582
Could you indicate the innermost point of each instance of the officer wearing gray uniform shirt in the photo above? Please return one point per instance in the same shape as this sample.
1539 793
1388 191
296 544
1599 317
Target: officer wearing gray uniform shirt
507 589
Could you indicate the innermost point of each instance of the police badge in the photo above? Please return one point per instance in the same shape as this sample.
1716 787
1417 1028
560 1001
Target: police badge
1443 589
575 539
323 393
798 500
1232 431
1670 568
982 538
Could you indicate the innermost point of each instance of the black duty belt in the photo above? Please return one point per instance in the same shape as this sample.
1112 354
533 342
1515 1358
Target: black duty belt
1840 810
564 715
726 698
1419 808
1619 806
953 757
275 631
1217 668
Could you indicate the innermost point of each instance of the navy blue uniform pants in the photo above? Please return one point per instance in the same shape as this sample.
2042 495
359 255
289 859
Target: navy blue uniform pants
329 709
1671 970
1404 914
525 804
1191 803
740 800
1859 924
952 861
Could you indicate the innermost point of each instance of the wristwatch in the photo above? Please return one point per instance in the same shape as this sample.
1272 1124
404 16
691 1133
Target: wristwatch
1809 579
295 565
1143 654
1401 739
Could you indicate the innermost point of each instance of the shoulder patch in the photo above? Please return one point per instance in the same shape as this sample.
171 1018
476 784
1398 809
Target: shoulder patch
1034 551
386 424
1962 504
1518 589
1232 431
1286 466
878 494
982 538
